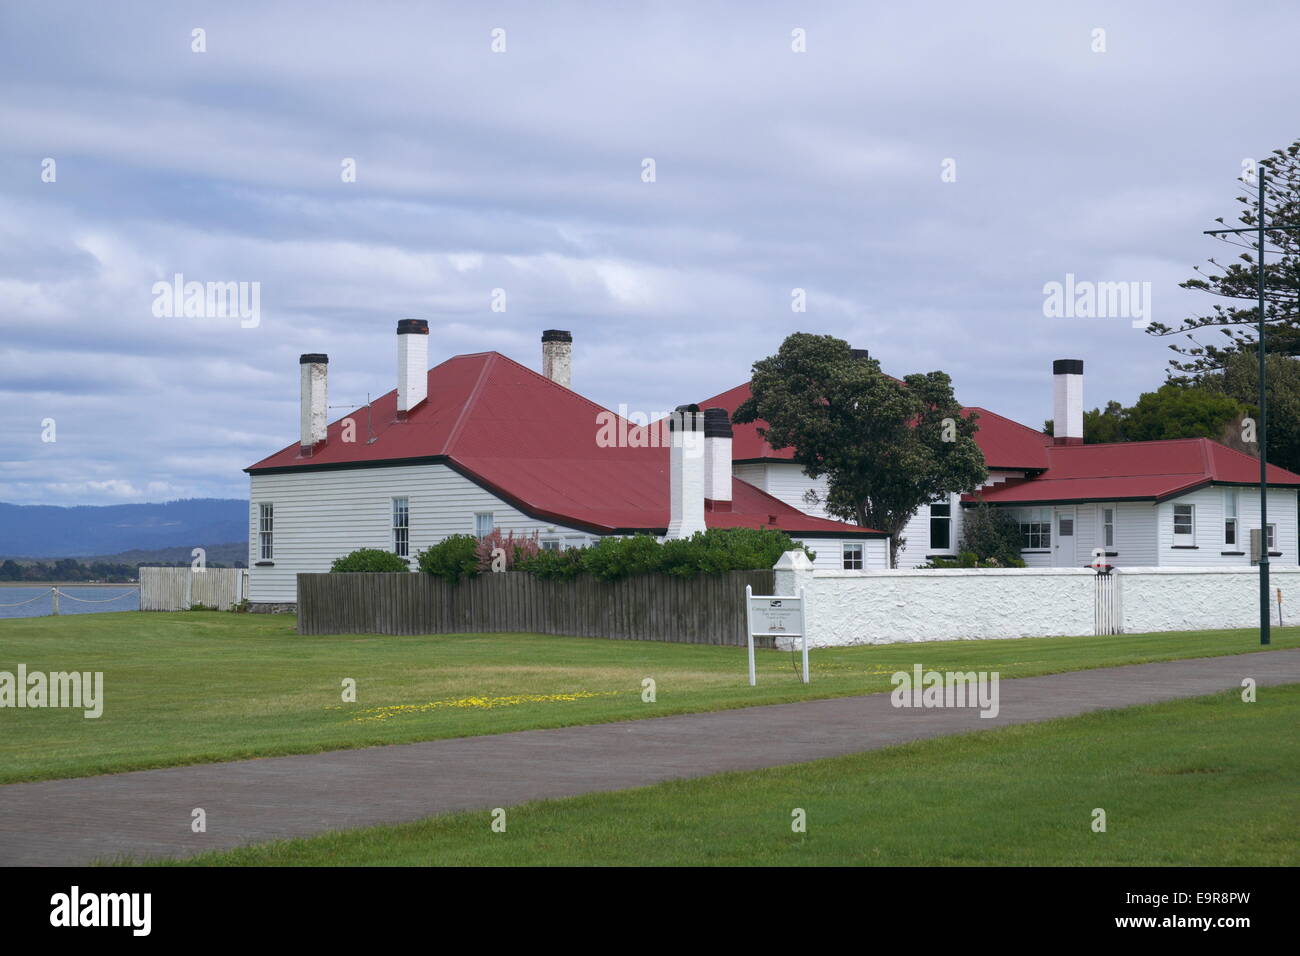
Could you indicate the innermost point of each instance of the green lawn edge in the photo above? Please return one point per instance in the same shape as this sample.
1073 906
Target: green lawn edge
204 687
1205 781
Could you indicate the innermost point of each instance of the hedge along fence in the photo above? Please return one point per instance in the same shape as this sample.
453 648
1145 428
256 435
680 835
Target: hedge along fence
708 609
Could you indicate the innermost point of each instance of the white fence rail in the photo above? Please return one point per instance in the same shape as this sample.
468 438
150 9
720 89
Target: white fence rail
179 589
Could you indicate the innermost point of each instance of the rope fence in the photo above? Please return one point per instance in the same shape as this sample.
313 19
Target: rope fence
55 593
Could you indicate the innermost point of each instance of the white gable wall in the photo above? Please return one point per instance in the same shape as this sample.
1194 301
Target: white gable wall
323 515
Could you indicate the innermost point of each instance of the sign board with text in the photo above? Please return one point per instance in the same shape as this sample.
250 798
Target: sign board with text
775 615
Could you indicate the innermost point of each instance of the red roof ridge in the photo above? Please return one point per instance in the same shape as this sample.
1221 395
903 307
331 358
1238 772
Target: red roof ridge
1010 421
551 382
1130 444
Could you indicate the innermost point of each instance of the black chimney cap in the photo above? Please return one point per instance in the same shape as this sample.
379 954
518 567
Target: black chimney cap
1067 367
557 335
860 353
412 327
314 358
717 423
685 418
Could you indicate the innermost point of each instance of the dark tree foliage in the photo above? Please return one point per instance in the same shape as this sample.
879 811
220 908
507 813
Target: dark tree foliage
1172 411
885 447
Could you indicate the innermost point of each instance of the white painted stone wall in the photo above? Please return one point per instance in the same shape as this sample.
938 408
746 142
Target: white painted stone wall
901 606
1181 599
886 607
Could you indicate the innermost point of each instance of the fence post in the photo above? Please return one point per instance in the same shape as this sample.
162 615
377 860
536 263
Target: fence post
54 599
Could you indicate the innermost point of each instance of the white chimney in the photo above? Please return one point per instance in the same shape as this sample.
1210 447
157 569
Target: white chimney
686 472
412 364
1067 417
557 356
312 403
717 459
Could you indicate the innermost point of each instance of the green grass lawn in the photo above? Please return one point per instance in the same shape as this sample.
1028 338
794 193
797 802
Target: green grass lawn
1210 781
195 687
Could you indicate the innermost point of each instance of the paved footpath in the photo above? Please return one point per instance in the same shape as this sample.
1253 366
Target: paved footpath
148 813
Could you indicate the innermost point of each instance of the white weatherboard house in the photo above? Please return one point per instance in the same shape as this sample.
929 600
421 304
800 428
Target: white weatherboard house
481 442
1180 502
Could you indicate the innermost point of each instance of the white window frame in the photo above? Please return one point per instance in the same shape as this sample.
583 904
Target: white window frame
1108 528
853 556
941 501
266 530
1230 516
550 544
402 527
1190 534
478 523
1270 537
1043 520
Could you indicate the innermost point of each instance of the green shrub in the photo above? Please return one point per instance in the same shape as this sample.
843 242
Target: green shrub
369 559
715 551
968 559
708 552
612 558
992 535
559 564
452 558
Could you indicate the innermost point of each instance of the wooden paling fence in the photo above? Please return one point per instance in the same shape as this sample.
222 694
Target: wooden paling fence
179 589
709 609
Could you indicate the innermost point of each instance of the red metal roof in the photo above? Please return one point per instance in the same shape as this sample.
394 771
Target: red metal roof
1005 444
533 443
1128 470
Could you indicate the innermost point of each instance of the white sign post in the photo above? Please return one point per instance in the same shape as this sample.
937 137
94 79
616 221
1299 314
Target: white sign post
774 615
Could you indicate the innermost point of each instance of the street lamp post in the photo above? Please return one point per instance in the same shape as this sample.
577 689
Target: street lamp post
1265 618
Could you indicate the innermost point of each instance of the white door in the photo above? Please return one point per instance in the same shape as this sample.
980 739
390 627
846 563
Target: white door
1064 550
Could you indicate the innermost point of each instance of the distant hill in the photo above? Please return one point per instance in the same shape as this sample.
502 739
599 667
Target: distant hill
226 554
46 531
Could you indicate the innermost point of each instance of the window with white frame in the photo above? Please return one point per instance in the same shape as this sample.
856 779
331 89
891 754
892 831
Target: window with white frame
1184 524
1035 528
550 544
1108 527
265 529
402 527
482 524
941 524
1230 516
852 555
1272 537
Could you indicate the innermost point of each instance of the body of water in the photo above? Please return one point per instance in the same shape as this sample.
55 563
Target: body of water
38 601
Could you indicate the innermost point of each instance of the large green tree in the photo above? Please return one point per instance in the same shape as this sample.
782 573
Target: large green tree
885 447
1172 411
1238 282
1240 381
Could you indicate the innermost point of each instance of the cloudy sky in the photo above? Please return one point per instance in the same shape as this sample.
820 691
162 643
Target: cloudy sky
522 170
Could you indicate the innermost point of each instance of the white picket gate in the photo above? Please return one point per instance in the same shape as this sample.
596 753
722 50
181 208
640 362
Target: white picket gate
1108 611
